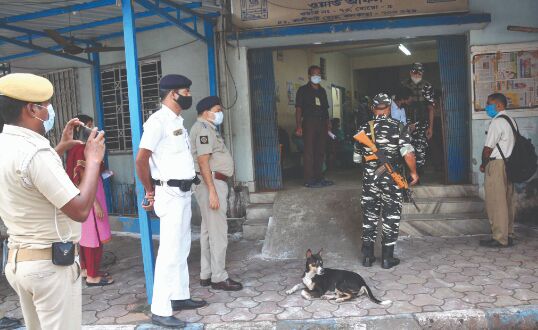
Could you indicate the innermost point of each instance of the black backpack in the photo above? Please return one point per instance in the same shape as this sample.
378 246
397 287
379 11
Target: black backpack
521 165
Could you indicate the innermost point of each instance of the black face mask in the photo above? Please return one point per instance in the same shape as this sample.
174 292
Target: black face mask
185 102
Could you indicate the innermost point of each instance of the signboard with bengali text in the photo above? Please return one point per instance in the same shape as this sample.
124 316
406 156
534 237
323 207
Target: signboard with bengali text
253 14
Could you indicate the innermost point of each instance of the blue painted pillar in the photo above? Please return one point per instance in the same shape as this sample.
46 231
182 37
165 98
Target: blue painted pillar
135 114
210 42
99 116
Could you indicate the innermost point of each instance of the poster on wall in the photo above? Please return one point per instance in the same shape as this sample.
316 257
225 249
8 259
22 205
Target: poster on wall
515 74
252 14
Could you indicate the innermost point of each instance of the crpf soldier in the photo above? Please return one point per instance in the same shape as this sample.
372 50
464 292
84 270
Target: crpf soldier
40 205
380 194
214 163
164 161
420 112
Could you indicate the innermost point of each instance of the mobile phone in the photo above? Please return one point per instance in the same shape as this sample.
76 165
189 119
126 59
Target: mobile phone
82 133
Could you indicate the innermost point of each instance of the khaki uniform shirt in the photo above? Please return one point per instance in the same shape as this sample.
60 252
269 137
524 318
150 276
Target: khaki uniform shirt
168 140
28 211
206 140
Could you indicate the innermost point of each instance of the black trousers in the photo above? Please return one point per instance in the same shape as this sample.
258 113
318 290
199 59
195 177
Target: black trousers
315 142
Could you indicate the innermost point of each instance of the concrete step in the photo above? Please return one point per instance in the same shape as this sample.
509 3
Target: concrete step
255 229
262 198
447 205
426 191
443 224
259 211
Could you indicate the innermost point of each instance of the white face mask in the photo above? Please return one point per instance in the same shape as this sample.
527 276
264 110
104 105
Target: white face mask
315 79
49 123
218 117
416 80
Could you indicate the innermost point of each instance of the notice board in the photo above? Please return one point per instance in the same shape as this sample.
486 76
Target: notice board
513 73
252 14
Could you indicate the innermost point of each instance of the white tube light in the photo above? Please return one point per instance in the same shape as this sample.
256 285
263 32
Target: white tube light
404 50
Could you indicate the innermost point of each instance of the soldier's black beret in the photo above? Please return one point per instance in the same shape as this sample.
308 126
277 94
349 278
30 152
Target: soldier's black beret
174 81
207 103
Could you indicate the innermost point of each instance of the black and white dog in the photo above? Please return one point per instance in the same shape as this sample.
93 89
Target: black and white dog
343 285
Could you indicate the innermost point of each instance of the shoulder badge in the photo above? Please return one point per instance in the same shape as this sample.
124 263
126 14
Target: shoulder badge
204 139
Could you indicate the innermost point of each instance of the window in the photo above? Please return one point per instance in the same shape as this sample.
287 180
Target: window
116 101
64 100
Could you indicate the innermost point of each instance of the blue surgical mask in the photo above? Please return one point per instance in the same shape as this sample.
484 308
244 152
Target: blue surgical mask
315 79
219 117
491 110
49 123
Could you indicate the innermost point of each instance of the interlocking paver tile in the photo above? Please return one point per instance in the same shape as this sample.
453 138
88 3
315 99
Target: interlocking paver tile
267 307
496 290
348 310
477 297
242 302
114 311
484 280
294 300
269 296
265 317
270 286
399 307
238 314
514 284
413 289
503 301
294 313
397 295
456 304
445 293
214 309
321 305
426 299
136 317
98 306
523 294
465 287
411 279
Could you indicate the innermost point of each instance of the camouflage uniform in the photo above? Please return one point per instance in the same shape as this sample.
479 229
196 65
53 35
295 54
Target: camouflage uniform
417 112
381 195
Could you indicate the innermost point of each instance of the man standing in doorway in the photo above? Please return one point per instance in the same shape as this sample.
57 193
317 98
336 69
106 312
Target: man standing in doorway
401 99
420 112
312 122
214 164
499 191
165 167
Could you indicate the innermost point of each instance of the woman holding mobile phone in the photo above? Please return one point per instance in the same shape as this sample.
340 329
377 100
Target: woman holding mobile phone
96 228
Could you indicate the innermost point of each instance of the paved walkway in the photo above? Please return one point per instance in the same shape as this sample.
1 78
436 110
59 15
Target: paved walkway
436 275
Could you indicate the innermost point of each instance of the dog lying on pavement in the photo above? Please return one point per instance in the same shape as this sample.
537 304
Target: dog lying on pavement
343 285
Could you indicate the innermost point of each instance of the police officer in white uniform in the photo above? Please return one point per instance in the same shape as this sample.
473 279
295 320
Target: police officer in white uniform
40 206
165 167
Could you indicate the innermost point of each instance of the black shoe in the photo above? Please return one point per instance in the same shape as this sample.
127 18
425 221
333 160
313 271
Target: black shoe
493 243
510 241
368 254
167 321
227 285
387 255
179 305
325 183
313 184
205 282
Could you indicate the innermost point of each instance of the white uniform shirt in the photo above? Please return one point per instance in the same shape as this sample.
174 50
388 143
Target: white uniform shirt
500 132
168 140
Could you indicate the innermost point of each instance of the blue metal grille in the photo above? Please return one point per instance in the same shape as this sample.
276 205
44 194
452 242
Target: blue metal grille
264 120
452 54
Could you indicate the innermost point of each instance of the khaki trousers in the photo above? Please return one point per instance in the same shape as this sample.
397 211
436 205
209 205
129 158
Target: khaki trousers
499 201
50 295
213 233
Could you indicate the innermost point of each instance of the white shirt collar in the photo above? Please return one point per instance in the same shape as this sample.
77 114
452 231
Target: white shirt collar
169 112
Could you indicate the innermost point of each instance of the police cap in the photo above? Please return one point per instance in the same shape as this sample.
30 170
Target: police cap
174 81
417 67
207 103
26 87
381 100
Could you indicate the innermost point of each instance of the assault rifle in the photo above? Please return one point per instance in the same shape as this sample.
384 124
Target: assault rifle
385 166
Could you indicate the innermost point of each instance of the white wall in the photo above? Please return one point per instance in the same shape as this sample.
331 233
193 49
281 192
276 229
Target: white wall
525 13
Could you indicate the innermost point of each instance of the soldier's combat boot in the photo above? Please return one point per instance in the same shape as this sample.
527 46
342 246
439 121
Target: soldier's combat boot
368 254
387 256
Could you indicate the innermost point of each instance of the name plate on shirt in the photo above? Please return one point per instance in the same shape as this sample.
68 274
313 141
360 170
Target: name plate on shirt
318 102
178 132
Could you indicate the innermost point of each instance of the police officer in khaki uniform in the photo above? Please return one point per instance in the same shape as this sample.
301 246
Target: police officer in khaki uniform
40 205
214 163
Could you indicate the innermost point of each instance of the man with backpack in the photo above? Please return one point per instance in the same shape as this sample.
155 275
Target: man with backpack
500 142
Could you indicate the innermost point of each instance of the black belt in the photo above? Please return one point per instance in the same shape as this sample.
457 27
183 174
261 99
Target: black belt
183 185
492 158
